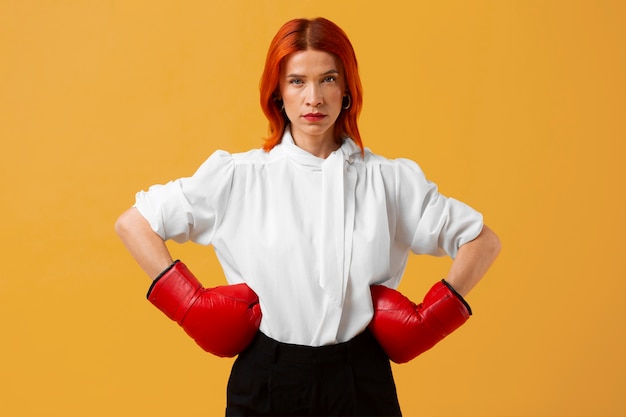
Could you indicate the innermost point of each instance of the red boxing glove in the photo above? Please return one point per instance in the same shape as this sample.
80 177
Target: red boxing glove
222 320
405 330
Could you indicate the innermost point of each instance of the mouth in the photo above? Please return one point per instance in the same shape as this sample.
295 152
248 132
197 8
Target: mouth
314 117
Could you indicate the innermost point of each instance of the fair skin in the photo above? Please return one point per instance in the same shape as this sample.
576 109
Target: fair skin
312 88
473 260
144 245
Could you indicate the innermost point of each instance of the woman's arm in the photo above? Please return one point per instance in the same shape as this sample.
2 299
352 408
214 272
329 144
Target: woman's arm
473 260
405 329
147 247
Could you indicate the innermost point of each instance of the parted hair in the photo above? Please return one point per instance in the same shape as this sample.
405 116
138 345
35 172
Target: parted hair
300 35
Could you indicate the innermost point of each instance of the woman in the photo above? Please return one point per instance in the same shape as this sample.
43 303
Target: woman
308 224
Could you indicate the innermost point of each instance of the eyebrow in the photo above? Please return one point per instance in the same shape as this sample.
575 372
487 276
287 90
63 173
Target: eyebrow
331 71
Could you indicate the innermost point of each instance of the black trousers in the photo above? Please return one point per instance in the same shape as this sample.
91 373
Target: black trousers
348 379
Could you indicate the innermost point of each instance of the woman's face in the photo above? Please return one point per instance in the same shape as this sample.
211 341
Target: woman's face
312 88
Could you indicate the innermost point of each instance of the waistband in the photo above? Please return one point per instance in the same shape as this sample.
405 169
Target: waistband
306 354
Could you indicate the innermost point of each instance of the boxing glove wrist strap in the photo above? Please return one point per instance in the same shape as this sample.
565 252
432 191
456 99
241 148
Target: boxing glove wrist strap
459 296
158 277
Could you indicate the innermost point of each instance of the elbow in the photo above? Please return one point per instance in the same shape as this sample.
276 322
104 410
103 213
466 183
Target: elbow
124 222
492 242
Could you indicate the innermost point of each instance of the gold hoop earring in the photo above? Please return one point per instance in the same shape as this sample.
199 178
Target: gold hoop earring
343 102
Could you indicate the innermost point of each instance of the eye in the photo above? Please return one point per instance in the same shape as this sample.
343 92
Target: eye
330 79
296 81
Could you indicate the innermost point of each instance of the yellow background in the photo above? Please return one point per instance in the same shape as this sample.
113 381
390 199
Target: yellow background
516 107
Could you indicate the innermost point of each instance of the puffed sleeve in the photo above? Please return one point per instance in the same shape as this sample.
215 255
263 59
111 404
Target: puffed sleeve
429 222
190 208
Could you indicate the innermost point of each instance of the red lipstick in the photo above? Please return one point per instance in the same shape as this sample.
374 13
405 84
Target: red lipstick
314 117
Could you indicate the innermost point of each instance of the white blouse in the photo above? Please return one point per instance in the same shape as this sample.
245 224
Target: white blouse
310 235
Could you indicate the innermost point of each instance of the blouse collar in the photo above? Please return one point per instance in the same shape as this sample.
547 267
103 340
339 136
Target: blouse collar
348 151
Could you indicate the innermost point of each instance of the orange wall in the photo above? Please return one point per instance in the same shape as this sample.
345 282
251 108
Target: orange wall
516 107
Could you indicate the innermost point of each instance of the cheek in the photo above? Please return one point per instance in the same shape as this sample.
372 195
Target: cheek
289 95
290 101
338 91
335 97
291 106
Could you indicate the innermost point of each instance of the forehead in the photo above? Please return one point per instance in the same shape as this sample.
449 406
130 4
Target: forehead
311 62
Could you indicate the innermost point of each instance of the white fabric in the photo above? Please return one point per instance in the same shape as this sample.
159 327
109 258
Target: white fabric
310 235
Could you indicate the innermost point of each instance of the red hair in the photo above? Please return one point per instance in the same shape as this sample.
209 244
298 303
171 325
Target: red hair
299 35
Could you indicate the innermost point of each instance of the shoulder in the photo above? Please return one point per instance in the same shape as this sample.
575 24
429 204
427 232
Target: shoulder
221 159
403 166
253 155
223 155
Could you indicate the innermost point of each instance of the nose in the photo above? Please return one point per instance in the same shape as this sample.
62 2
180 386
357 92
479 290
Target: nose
314 95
